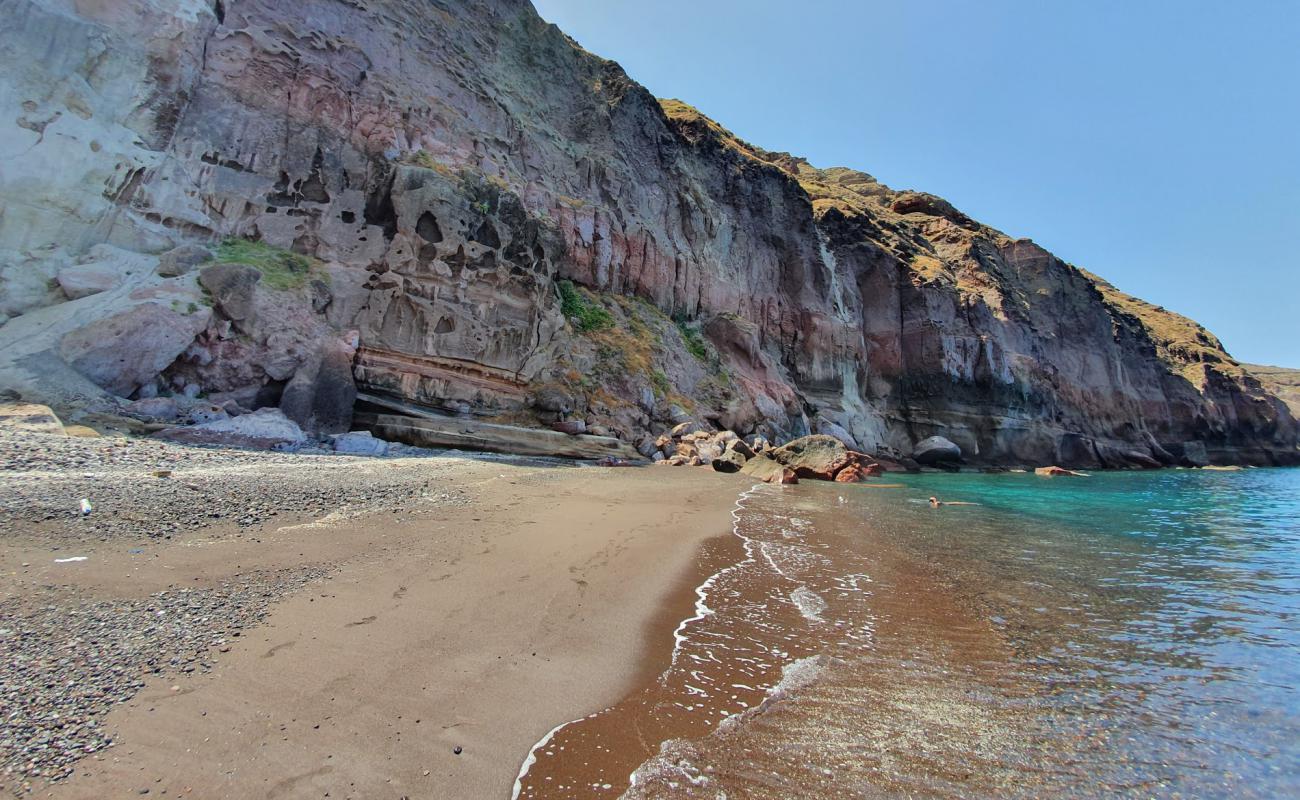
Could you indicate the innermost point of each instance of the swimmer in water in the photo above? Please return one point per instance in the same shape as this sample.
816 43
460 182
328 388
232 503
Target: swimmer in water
935 503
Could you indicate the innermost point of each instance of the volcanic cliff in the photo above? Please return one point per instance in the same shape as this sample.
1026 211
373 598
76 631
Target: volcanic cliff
514 228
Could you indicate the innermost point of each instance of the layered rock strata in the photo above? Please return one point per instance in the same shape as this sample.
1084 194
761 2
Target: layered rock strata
517 229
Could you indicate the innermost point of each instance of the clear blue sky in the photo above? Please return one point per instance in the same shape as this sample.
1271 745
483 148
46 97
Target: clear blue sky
1154 143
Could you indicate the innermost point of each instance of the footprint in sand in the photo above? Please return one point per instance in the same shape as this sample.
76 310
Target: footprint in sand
400 593
365 621
277 648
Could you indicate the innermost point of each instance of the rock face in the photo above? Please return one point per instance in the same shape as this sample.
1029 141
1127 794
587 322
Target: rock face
514 225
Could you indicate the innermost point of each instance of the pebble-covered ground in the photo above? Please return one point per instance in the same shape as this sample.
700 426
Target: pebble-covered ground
146 488
69 660
68 656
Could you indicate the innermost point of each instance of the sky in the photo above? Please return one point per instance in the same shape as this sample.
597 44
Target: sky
1154 143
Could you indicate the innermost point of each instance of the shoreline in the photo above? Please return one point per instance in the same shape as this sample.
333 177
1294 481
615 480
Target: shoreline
505 599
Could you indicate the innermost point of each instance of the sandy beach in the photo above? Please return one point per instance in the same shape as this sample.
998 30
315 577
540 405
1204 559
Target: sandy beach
411 643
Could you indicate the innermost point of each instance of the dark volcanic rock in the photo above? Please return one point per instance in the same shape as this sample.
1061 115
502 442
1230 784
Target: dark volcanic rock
322 393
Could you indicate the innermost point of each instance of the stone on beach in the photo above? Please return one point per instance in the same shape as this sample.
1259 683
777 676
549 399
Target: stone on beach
729 461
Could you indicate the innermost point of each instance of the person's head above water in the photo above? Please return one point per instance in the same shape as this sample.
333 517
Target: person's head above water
934 501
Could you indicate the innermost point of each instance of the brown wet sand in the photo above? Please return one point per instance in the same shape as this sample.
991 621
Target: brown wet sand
548 595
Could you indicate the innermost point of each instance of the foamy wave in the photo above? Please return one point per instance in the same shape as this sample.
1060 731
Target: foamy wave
809 603
794 676
702 610
673 766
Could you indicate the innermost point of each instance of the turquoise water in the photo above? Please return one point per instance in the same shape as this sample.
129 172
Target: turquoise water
1121 635
1175 603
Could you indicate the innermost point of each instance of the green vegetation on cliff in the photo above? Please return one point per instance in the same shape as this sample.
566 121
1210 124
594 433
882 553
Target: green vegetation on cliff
281 269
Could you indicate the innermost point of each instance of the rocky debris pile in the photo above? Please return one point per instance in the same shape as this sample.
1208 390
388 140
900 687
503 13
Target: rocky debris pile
264 429
817 457
68 661
144 488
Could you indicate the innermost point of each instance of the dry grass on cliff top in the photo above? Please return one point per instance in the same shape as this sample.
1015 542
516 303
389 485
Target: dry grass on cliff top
1178 338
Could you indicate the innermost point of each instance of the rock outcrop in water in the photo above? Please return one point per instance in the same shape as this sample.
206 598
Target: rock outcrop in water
517 229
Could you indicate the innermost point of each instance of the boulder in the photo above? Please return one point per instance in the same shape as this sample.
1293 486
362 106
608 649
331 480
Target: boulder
81 431
359 443
872 470
729 461
322 393
321 296
83 280
232 287
30 418
159 408
199 413
182 260
739 446
573 427
850 474
124 351
829 428
677 414
708 450
859 471
1054 471
769 470
554 399
817 457
690 426
647 447
936 450
264 429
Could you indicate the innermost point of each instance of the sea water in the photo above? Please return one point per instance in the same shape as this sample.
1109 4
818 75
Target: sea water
1124 634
